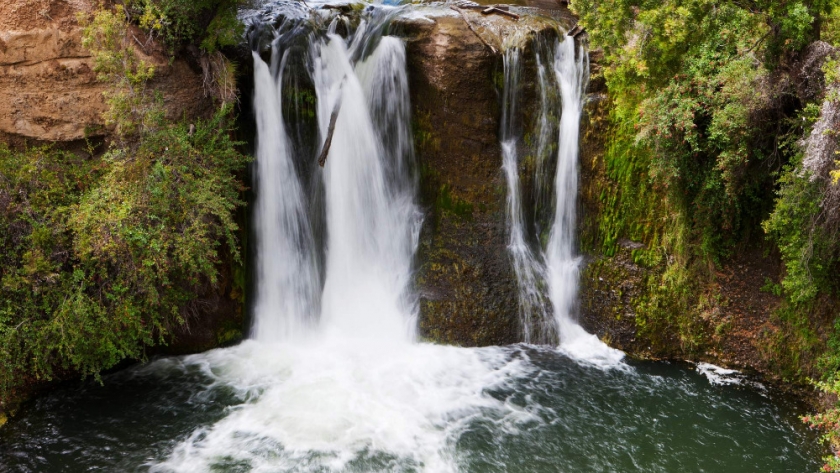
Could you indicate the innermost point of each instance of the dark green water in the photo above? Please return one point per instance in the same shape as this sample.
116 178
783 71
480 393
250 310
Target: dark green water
417 408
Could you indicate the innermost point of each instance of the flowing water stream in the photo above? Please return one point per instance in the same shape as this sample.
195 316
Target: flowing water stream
547 316
333 378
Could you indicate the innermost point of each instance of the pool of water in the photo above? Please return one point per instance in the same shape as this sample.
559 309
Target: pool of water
335 406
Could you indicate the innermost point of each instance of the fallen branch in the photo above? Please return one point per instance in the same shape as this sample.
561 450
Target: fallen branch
322 158
473 29
138 42
325 150
500 11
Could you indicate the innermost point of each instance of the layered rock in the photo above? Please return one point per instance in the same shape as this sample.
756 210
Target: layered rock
48 90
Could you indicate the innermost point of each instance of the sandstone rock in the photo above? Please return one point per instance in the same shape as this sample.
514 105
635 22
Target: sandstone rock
48 90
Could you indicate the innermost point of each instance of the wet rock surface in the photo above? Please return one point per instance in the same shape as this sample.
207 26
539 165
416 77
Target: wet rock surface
466 283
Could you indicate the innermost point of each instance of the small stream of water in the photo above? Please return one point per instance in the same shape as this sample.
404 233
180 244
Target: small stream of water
552 271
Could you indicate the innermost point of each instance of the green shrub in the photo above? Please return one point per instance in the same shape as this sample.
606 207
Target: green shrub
828 421
132 109
209 23
704 129
807 252
101 256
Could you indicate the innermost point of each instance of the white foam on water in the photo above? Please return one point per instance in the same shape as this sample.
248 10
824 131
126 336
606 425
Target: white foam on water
719 376
327 403
587 348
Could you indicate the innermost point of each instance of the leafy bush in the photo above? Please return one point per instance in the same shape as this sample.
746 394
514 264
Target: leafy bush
210 23
690 167
808 253
828 422
131 107
101 256
693 103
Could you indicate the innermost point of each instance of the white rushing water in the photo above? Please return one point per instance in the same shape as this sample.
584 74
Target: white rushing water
535 321
562 264
572 72
287 280
333 379
371 221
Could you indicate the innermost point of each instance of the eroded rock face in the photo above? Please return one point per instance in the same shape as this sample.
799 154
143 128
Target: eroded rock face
466 281
48 90
466 284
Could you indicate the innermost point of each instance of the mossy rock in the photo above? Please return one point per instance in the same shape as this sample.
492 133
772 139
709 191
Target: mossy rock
466 282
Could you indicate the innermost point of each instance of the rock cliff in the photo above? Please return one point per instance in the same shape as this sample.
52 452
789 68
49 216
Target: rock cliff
48 90
466 282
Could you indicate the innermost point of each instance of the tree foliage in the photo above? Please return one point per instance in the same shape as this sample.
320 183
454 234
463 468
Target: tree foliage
707 149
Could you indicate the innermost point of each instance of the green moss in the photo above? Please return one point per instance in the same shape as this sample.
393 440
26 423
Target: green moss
229 336
303 100
425 139
499 79
472 305
446 202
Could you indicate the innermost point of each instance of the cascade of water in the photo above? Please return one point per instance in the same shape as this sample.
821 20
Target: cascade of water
560 272
535 323
287 277
356 395
372 223
560 252
572 73
546 134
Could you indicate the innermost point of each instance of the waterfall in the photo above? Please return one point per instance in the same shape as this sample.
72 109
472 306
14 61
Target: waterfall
287 280
342 384
571 68
536 324
372 221
560 272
